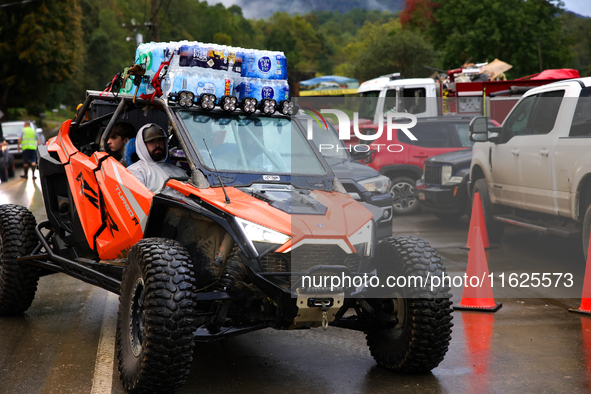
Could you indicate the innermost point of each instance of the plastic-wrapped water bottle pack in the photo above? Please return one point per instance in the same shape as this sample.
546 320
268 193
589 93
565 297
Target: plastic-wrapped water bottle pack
215 69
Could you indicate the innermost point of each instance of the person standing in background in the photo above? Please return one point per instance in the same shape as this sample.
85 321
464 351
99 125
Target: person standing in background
28 141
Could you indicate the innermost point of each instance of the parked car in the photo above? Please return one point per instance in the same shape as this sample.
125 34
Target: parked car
443 189
362 182
401 159
11 132
6 162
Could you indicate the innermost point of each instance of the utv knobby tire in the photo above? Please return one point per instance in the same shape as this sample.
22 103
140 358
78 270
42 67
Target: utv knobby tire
155 322
494 229
18 281
420 339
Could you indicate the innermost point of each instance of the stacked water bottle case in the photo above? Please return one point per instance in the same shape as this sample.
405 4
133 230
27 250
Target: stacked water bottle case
214 69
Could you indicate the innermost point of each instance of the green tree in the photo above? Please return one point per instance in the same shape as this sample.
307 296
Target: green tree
524 33
197 21
579 30
305 48
40 46
383 48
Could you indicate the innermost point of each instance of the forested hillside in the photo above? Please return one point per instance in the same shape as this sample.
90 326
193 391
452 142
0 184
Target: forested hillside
52 51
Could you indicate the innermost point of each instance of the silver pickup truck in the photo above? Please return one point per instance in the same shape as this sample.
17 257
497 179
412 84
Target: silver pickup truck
535 170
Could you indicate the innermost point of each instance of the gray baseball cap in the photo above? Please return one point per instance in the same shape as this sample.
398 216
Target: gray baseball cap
152 132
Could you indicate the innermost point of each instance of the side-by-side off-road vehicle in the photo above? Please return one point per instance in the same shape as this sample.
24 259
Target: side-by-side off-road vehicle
246 241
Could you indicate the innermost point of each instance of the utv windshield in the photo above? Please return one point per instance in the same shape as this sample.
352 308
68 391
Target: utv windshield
326 139
244 143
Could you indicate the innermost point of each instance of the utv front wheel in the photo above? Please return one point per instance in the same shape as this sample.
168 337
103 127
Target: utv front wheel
155 320
18 281
415 324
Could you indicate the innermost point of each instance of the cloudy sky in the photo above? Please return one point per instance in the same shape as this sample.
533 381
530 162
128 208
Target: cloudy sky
582 7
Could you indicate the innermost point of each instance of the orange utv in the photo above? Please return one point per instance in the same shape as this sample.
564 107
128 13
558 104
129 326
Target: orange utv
259 234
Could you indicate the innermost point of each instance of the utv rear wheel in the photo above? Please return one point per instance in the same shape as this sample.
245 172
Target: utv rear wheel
417 321
404 201
494 229
155 321
18 281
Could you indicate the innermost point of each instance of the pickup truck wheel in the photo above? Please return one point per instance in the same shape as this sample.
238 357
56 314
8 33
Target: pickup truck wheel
155 321
18 281
495 229
404 201
586 230
417 322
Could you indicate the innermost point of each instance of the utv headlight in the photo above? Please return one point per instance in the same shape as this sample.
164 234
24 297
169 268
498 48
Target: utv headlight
288 108
445 174
380 184
257 233
228 103
363 236
185 98
267 106
248 105
207 101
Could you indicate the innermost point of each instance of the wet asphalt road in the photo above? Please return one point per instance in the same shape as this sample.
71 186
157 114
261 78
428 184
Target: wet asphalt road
532 344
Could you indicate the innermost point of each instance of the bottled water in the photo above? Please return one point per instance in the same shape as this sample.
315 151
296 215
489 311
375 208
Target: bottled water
264 65
215 69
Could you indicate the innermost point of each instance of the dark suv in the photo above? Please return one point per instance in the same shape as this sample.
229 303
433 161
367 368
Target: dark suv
443 187
401 159
363 183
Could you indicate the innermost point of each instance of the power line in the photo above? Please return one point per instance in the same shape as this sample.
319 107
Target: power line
17 3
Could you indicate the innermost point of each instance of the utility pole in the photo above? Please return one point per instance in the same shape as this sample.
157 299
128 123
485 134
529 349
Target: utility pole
540 53
139 38
154 21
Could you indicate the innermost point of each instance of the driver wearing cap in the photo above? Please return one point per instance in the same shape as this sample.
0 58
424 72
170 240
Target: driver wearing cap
151 144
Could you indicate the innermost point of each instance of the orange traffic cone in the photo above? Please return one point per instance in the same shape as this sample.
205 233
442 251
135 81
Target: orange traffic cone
477 294
586 350
478 331
586 297
477 220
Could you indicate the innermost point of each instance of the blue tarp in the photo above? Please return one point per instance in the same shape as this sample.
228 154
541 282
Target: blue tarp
327 78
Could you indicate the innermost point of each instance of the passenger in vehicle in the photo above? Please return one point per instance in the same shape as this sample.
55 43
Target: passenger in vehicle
121 133
152 149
